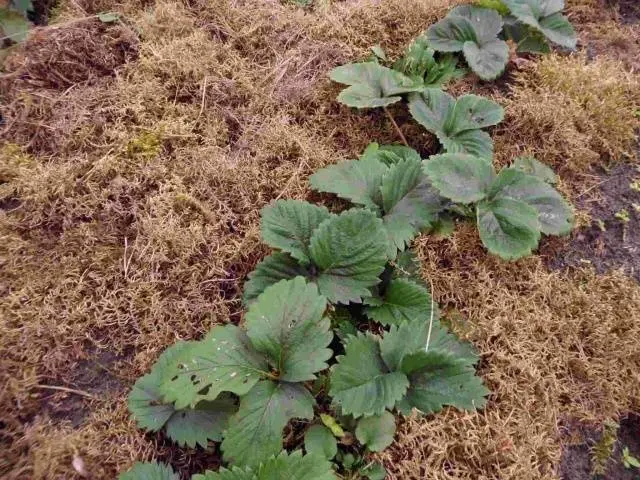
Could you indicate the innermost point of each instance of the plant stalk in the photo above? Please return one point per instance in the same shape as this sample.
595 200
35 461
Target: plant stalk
395 125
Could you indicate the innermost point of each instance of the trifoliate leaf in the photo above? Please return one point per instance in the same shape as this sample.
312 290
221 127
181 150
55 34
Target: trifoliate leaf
273 268
349 251
332 425
288 225
508 228
206 421
474 31
13 25
374 471
402 300
376 431
361 384
356 180
255 432
287 324
319 439
225 361
149 471
554 213
439 378
531 166
457 123
460 177
290 466
546 17
410 203
371 85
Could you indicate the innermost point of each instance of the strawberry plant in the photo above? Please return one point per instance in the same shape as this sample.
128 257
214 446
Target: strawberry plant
544 17
512 208
457 123
474 32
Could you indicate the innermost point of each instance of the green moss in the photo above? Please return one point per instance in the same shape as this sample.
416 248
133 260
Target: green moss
146 146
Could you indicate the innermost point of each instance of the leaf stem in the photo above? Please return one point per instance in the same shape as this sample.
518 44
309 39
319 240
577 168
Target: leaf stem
395 125
65 389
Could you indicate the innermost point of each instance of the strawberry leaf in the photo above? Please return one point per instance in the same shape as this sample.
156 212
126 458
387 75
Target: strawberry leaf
292 466
289 224
273 268
402 300
318 439
460 177
149 471
473 31
255 432
376 431
349 251
545 16
361 384
225 361
437 379
287 324
457 123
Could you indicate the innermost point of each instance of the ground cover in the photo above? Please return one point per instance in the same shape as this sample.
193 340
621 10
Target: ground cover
132 175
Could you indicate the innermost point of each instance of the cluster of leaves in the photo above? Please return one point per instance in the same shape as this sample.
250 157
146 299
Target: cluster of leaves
346 273
480 33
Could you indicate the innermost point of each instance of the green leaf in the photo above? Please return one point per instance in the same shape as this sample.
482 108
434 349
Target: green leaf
437 379
255 432
546 17
410 203
460 177
273 268
402 300
371 85
376 431
23 6
206 421
319 439
294 466
508 228
553 212
145 400
356 180
149 471
225 361
407 266
374 471
420 64
108 17
528 39
332 425
457 123
378 51
13 25
413 336
531 166
287 324
350 253
474 31
361 384
288 225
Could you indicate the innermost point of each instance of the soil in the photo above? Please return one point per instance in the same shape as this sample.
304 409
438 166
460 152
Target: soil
612 241
576 459
629 11
96 376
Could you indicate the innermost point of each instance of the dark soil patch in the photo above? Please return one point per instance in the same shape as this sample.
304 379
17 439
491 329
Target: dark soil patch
96 376
629 11
613 239
576 463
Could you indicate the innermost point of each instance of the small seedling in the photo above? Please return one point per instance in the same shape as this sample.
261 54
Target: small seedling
628 460
623 216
